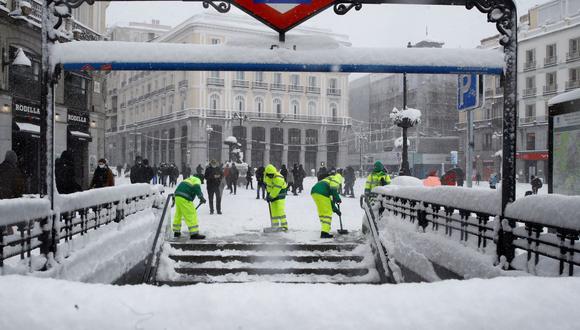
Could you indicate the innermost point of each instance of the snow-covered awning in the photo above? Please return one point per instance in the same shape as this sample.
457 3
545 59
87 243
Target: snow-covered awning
28 128
81 135
114 55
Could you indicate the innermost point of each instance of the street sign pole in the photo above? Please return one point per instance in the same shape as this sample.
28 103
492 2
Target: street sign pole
469 153
469 97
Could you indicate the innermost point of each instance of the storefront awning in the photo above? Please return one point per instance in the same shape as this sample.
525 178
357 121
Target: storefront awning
28 128
81 135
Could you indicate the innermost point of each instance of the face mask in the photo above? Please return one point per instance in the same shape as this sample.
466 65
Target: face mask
101 165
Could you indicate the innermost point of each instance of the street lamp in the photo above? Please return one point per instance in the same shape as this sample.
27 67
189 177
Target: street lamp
209 130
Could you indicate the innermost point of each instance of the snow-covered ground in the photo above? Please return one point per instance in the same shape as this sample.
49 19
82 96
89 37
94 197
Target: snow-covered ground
502 303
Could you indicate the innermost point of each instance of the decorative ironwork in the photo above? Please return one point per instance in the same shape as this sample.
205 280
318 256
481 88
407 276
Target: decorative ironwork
220 6
345 7
499 12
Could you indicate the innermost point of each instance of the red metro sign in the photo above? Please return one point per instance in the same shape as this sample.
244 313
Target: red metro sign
282 15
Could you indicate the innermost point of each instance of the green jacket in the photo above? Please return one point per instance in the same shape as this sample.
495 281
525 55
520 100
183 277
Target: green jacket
189 188
328 187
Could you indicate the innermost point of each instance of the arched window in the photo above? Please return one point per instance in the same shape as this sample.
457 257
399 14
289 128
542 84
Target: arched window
214 102
295 106
240 103
312 108
259 105
278 107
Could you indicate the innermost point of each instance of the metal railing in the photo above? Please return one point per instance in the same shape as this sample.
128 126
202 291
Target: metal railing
240 83
278 87
259 85
44 230
183 84
296 88
530 92
313 90
529 65
550 89
153 259
572 56
483 229
333 91
533 120
215 81
550 61
572 84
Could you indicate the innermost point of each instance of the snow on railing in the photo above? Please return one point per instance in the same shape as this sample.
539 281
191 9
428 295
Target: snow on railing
28 224
536 234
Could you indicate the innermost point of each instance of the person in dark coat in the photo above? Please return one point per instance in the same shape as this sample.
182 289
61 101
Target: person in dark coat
295 172
199 169
11 178
260 183
173 175
138 171
349 180
249 181
322 172
186 172
536 184
64 173
148 173
302 175
234 176
284 172
119 170
213 176
103 176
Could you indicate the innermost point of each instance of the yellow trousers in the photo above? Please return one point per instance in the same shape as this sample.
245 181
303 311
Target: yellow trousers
278 214
185 209
324 207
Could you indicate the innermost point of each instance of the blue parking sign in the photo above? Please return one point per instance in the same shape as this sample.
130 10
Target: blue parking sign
468 92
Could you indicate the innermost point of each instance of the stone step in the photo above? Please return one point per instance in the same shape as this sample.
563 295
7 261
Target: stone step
272 271
263 247
256 259
200 279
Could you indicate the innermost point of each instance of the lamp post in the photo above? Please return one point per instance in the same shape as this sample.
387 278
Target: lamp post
405 119
209 130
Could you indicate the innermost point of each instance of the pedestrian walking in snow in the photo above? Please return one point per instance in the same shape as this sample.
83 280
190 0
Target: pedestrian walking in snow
432 179
493 181
260 186
326 197
536 184
284 172
249 178
276 189
213 178
234 176
12 180
185 194
138 171
103 176
322 172
349 180
291 186
301 176
64 172
148 173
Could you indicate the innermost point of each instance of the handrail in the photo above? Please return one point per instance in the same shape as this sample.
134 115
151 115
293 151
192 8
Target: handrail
383 263
149 264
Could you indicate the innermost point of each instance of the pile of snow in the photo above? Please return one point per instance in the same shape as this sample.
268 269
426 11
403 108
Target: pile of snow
409 181
23 209
231 140
412 115
501 303
84 199
477 200
551 210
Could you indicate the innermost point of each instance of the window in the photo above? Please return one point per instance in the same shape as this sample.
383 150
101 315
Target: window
333 110
530 110
240 103
487 142
551 79
488 113
259 105
295 108
531 141
531 56
278 107
214 102
240 75
277 78
573 74
551 51
311 109
332 83
295 80
214 74
259 76
183 100
530 82
574 46
312 81
215 41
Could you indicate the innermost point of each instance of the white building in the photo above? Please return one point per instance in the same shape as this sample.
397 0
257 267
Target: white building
184 117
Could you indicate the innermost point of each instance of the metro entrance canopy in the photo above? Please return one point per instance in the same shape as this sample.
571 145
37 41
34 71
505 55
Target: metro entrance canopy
283 15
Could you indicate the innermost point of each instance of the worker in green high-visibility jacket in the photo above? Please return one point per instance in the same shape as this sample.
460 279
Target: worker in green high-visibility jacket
276 189
326 197
378 177
185 193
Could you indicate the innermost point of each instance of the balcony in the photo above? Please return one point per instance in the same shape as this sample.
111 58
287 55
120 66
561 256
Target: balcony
550 89
530 92
278 87
215 82
550 61
572 84
296 88
313 90
529 66
183 84
237 83
170 88
573 56
333 91
259 85
533 120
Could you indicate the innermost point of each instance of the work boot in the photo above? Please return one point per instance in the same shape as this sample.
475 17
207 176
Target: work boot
197 236
211 212
325 235
176 234
219 212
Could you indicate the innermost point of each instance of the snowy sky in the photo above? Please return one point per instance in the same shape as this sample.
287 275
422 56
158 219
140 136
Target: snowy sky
373 25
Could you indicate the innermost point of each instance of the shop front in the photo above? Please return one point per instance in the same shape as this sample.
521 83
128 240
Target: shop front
26 119
78 138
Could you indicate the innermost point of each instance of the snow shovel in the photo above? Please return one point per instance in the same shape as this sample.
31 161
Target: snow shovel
270 229
341 231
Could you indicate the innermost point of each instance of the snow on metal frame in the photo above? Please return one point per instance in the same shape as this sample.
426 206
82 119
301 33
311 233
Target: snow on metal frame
97 55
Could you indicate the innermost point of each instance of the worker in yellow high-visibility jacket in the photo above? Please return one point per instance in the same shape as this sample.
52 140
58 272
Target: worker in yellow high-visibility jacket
377 178
276 189
326 197
185 193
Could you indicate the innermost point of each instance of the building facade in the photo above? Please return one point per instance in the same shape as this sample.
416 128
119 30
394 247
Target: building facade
185 117
430 143
79 112
548 65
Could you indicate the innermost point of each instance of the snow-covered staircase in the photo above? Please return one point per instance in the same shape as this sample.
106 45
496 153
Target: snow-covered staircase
189 262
